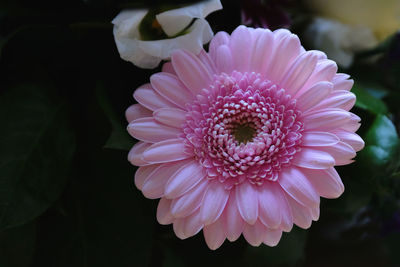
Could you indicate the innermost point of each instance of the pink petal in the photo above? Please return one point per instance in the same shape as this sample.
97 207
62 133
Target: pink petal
221 38
207 61
189 202
254 234
341 82
262 50
179 228
319 139
193 224
191 71
272 237
325 119
324 71
233 220
150 99
297 75
170 87
313 159
173 117
214 234
153 186
149 130
137 111
269 204
314 95
166 151
341 152
168 68
224 59
287 218
164 216
301 215
135 155
214 202
354 140
327 182
295 183
339 99
184 179
239 44
353 124
142 173
247 202
286 49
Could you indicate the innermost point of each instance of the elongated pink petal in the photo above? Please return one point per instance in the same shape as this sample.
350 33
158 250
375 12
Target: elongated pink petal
214 234
301 215
186 204
353 124
247 202
179 228
319 139
296 184
262 50
214 202
142 173
325 119
298 74
221 38
327 182
150 99
135 155
170 87
137 111
269 204
164 215
166 151
341 81
233 221
324 71
193 224
184 179
272 237
173 117
339 99
168 68
313 159
149 130
342 153
153 186
207 61
254 234
309 98
239 44
191 71
224 59
354 140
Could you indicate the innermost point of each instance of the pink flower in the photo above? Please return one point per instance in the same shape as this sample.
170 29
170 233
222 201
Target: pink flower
243 139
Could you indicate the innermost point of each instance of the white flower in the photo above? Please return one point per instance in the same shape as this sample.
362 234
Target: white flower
339 41
148 54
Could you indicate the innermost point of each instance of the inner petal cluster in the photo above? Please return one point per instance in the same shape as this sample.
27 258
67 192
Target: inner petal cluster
243 127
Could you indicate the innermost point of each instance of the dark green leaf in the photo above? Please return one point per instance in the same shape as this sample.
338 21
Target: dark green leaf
367 101
119 138
37 146
382 134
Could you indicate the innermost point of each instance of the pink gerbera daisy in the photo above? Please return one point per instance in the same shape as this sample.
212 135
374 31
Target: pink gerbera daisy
243 139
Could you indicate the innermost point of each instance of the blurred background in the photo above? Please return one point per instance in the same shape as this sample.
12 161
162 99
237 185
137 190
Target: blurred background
67 196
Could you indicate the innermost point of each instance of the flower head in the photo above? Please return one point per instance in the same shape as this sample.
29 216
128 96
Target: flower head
145 37
243 139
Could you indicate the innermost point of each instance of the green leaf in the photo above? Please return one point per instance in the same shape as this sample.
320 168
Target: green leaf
289 251
36 148
382 134
119 138
367 101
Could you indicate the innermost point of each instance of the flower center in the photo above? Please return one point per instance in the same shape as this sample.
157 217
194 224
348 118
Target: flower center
243 127
244 133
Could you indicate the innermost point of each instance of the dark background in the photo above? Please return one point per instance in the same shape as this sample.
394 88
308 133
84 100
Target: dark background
67 196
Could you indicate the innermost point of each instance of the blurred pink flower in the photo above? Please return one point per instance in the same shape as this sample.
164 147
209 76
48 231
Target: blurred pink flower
243 139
